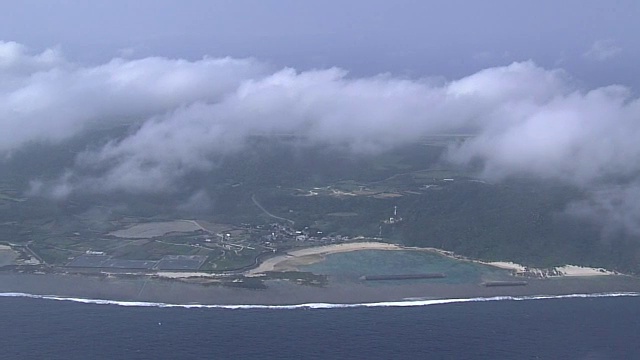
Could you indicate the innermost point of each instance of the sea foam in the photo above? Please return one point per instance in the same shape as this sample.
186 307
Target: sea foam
401 303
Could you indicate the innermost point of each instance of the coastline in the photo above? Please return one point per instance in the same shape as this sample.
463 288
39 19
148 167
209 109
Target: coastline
306 256
207 288
286 293
291 260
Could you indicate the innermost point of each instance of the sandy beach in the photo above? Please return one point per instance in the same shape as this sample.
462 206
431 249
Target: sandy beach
307 256
566 270
311 255
507 265
572 270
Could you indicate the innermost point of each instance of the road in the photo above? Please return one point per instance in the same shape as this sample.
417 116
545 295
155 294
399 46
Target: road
26 246
253 198
196 223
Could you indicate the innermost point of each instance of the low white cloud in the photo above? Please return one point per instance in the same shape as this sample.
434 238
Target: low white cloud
616 208
16 58
44 97
323 106
579 137
602 50
527 120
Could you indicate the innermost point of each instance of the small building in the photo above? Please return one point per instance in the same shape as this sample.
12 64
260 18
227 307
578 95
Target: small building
91 252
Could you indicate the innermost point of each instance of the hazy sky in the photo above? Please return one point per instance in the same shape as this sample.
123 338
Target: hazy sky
596 40
549 88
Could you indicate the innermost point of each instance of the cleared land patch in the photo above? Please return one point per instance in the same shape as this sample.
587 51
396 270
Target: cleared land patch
154 229
7 256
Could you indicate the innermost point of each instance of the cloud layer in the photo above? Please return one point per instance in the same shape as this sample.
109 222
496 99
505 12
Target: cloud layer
44 97
527 120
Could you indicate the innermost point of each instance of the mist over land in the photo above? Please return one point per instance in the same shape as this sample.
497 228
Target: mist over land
179 117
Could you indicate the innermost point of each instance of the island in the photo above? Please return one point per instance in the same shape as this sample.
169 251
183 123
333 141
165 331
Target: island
276 226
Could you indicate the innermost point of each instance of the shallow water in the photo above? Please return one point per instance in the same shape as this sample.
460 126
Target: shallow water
380 262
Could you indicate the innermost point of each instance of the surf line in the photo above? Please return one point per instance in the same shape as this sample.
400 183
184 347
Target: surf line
320 305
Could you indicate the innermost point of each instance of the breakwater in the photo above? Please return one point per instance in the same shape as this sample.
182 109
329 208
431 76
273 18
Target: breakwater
403 276
504 283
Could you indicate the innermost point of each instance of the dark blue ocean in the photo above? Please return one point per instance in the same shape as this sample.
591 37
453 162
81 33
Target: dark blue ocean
570 328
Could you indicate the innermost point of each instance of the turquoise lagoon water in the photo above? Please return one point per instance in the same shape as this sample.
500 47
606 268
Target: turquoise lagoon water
381 262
